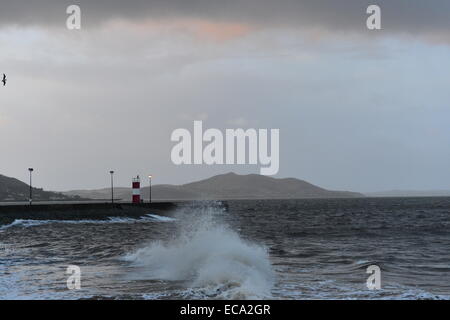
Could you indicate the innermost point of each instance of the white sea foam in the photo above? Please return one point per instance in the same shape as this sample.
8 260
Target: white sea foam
26 223
211 258
160 218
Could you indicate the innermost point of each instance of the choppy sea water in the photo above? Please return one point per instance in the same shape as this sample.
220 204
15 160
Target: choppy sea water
292 249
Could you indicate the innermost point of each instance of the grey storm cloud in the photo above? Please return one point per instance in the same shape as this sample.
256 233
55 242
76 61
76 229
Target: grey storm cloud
355 112
410 16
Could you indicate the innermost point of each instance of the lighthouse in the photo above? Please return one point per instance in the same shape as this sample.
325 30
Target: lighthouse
136 184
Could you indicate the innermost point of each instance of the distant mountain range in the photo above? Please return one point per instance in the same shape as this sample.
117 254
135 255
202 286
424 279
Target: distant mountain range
220 187
223 187
12 189
410 193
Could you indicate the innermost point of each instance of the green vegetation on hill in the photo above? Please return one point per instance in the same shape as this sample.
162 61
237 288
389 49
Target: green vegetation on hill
12 189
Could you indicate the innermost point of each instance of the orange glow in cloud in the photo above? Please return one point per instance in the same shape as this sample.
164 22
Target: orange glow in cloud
200 28
218 31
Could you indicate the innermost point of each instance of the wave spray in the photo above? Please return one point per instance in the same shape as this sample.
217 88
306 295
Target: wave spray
210 258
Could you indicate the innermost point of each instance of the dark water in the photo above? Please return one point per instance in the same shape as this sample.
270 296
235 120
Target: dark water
305 249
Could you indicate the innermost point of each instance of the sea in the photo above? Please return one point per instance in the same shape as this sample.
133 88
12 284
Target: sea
246 249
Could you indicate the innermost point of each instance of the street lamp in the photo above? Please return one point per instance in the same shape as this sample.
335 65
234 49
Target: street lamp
150 189
112 186
31 188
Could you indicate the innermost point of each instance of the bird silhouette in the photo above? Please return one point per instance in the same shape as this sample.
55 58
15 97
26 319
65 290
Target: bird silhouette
4 80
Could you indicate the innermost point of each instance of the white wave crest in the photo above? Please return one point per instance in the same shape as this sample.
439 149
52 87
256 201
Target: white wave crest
160 218
211 258
26 223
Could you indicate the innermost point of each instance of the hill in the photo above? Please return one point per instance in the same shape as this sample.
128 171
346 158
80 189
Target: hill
12 189
227 186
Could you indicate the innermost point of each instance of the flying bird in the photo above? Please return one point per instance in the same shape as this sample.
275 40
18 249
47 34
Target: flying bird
4 80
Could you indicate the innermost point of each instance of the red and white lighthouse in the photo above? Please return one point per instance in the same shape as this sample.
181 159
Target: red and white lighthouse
136 190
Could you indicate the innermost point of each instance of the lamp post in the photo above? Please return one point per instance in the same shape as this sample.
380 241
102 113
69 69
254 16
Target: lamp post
112 186
31 188
150 189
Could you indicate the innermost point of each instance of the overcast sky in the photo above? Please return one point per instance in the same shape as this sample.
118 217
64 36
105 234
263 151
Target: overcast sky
357 109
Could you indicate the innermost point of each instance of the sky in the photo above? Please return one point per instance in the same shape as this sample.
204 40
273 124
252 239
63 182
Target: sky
357 109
